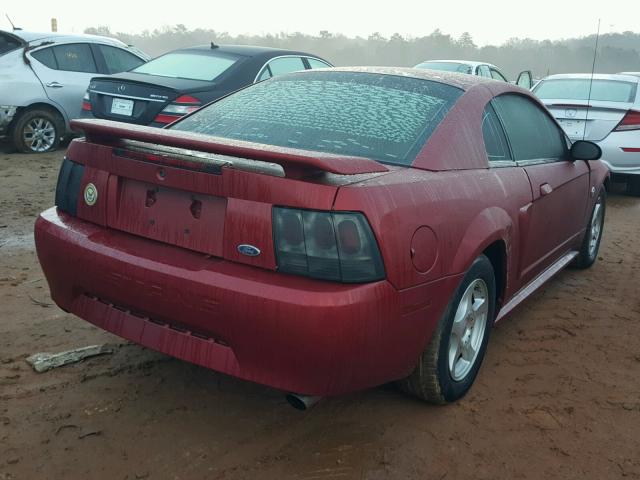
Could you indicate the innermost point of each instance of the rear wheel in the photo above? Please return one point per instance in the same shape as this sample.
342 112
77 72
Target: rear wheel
591 243
37 131
449 365
633 184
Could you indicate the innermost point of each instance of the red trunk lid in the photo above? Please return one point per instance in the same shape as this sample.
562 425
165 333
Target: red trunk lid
211 197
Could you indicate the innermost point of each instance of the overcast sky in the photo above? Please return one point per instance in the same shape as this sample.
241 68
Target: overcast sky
488 21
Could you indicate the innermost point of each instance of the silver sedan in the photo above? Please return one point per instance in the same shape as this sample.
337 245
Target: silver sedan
604 109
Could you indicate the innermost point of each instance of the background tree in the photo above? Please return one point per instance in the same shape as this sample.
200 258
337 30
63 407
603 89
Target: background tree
617 51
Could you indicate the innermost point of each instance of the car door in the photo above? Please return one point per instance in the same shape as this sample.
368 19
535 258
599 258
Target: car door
65 71
515 184
560 186
496 75
483 71
280 66
525 80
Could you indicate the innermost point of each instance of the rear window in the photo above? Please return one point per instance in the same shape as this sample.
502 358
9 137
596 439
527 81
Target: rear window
8 43
578 89
446 66
383 117
189 65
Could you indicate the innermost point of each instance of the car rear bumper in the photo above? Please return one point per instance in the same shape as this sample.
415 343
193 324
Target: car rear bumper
291 333
621 152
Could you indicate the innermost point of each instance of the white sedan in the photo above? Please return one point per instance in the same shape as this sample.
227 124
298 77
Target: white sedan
481 69
602 108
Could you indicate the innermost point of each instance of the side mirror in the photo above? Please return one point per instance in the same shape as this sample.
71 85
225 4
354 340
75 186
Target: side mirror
584 150
525 80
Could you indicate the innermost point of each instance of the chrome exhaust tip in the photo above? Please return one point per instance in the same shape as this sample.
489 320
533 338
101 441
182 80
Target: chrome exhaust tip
301 402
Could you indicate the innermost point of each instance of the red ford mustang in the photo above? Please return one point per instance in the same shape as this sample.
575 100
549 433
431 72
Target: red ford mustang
325 231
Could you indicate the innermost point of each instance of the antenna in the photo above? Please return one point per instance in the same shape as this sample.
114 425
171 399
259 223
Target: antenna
593 68
12 25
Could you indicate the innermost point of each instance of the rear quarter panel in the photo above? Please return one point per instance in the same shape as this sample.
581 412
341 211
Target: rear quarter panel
19 86
466 211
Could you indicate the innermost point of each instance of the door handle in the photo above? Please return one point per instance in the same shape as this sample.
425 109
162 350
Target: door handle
54 85
545 189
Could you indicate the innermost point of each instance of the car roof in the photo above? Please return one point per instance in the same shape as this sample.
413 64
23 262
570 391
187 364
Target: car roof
464 62
30 37
246 50
596 76
460 80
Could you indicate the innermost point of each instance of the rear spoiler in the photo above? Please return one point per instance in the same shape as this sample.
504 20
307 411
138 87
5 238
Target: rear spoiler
293 161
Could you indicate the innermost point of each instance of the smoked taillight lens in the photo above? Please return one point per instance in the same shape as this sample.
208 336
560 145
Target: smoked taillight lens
631 121
326 245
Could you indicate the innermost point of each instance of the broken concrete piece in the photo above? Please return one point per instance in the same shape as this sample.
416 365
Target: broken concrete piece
41 362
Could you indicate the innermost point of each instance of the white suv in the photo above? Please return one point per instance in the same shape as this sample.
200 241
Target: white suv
43 77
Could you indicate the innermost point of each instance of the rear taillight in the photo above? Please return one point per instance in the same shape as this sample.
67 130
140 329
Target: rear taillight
631 121
68 187
326 245
86 102
180 106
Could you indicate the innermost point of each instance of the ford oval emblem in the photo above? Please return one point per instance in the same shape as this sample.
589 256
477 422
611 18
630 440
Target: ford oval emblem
248 250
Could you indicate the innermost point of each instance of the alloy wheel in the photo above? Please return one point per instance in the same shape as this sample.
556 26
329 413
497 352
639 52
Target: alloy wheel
468 329
596 227
39 134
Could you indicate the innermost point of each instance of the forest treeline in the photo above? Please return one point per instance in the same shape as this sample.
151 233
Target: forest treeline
616 51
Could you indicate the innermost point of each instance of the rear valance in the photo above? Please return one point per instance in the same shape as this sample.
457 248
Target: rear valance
293 161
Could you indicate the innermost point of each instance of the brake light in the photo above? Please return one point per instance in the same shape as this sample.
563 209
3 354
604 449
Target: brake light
326 245
86 102
631 121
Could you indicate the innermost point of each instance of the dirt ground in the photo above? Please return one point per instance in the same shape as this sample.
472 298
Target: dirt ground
558 395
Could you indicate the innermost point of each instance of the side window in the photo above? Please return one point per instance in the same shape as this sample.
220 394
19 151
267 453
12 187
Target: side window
315 63
45 57
265 75
495 140
483 71
531 132
118 60
496 75
8 43
74 57
280 66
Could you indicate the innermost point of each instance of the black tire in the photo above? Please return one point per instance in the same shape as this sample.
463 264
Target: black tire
46 138
432 379
633 185
587 256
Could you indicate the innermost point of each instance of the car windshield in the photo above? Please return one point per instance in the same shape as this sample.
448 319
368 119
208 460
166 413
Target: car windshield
383 117
189 65
578 89
446 66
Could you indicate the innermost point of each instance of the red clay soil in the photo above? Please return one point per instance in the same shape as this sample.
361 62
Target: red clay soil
558 395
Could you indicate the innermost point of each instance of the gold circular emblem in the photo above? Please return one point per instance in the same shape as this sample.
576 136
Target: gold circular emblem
90 194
